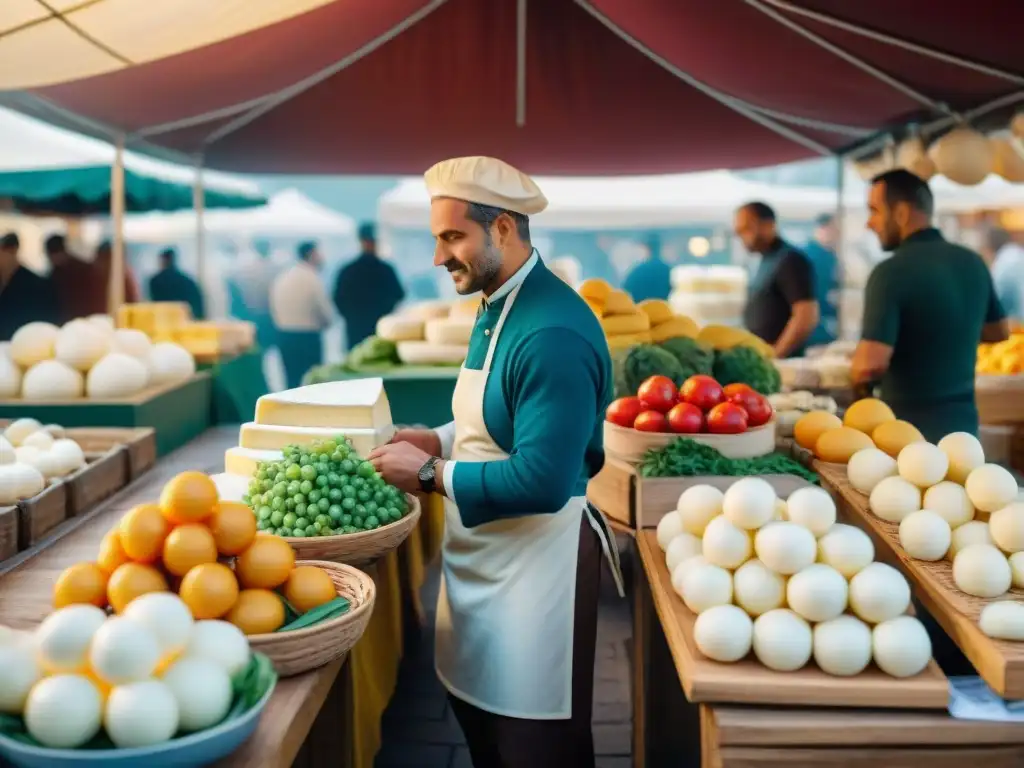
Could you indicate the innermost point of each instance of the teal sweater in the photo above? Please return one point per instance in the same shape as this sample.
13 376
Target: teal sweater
544 403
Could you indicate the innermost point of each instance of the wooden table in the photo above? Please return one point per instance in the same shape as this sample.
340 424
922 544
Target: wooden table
669 730
305 722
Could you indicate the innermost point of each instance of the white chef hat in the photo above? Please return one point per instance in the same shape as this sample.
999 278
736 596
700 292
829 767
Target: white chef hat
487 181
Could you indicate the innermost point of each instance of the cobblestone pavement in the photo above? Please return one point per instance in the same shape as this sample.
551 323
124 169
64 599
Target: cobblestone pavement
420 731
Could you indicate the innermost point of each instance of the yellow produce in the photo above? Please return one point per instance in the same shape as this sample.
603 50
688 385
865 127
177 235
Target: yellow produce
811 426
865 415
838 445
674 328
1002 359
595 289
619 303
596 307
657 310
893 436
616 325
725 337
628 340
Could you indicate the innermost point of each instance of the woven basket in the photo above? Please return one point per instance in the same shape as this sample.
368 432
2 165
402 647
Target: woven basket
358 548
301 650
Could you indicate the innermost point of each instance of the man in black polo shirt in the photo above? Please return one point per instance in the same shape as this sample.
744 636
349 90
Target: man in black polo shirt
25 297
781 305
925 310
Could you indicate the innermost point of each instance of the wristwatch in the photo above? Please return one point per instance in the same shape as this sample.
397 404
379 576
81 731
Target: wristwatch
427 477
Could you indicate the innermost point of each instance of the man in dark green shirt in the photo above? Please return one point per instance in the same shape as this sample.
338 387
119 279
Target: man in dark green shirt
925 310
171 284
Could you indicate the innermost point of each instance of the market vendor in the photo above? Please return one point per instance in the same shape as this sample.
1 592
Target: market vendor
517 613
926 308
781 304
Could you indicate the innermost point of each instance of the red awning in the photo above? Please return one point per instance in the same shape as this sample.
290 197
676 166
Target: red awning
605 86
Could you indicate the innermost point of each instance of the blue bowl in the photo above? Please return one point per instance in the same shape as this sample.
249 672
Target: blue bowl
192 751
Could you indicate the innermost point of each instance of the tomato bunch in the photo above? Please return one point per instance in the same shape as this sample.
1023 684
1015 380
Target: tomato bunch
700 405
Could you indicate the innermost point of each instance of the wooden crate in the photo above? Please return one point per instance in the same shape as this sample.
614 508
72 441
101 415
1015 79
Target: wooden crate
8 532
98 480
41 514
640 502
139 444
999 662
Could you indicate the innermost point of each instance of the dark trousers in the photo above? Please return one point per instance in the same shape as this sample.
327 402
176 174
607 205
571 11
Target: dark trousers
496 741
300 351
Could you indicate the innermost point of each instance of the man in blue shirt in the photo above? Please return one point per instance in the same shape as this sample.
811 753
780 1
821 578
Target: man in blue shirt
650 279
821 252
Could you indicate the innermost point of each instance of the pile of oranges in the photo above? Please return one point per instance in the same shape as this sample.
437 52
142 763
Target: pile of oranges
206 550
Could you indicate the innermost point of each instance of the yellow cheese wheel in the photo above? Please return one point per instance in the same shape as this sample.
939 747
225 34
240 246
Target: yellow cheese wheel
466 308
619 303
595 289
838 445
674 327
628 340
865 415
616 325
658 310
893 436
811 426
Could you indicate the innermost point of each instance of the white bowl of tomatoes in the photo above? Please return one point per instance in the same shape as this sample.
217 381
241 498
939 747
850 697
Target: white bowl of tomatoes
736 420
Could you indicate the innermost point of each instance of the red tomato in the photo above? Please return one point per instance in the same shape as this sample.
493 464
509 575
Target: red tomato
686 418
624 411
659 393
727 419
759 410
651 421
736 388
702 391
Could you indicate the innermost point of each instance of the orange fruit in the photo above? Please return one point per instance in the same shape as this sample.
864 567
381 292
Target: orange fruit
112 554
187 546
188 498
233 526
257 611
81 583
131 580
266 564
309 586
142 532
209 590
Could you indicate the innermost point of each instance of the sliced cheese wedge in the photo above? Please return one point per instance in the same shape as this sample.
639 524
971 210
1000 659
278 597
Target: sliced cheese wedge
245 461
400 328
359 403
425 353
267 437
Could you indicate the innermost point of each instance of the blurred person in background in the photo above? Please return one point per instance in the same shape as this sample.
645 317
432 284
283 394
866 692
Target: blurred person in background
367 289
102 265
72 279
821 252
25 297
781 304
171 284
651 278
250 291
300 311
1007 259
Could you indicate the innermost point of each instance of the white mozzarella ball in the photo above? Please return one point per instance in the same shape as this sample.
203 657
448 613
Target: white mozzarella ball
725 544
680 571
813 508
922 464
706 586
682 547
670 526
783 641
925 535
847 549
951 501
901 646
894 498
785 547
749 503
757 589
879 593
1007 528
868 467
982 570
723 633
842 646
974 532
1017 569
818 593
965 454
1003 620
991 487
698 506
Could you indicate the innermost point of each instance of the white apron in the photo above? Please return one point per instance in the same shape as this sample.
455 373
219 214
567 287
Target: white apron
504 634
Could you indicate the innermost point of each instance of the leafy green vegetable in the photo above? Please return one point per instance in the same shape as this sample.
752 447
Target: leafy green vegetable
684 457
373 352
635 365
329 610
746 365
693 356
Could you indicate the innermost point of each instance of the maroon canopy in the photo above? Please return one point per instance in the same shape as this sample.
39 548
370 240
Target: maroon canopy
605 86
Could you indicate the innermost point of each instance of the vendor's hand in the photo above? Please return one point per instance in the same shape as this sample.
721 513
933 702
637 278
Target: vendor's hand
399 463
424 439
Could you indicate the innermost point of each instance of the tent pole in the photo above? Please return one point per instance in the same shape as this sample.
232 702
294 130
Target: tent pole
521 63
199 203
115 289
840 244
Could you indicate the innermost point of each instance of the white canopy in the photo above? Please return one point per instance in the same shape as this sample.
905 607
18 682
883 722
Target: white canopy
672 200
289 212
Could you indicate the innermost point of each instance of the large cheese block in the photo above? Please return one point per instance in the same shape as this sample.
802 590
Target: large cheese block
400 328
425 353
428 310
449 330
266 437
358 403
245 461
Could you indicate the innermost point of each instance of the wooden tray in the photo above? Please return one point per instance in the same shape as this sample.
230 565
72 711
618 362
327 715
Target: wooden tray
1000 663
8 532
1000 399
630 445
750 682
640 502
140 443
100 479
41 514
